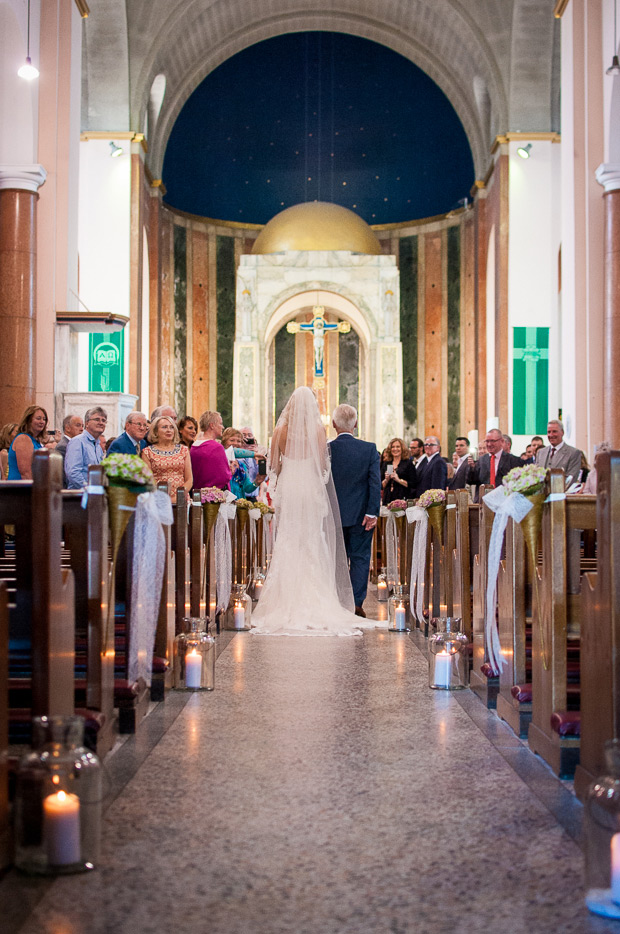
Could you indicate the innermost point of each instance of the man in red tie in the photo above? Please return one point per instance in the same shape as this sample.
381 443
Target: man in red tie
494 465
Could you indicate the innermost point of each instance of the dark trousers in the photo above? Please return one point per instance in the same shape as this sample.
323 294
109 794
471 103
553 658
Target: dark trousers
358 545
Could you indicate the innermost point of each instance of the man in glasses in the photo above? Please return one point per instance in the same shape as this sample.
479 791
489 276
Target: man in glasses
85 449
132 439
432 473
492 467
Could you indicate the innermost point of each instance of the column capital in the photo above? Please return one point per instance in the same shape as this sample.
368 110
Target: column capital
608 175
23 177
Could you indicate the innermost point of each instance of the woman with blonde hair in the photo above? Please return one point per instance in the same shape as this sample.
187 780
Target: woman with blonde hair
31 436
7 434
398 476
167 457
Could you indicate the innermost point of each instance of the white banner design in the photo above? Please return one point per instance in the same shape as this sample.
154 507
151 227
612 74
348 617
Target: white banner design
149 559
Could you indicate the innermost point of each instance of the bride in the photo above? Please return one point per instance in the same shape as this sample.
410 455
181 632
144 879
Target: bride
308 589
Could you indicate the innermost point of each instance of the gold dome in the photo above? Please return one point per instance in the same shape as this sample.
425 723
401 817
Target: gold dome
316 225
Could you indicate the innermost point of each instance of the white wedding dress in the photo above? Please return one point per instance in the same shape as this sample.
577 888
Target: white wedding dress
308 589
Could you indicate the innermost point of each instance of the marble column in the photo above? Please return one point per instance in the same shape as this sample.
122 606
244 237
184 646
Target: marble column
608 175
19 185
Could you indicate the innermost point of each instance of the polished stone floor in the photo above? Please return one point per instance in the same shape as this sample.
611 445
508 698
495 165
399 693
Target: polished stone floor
322 787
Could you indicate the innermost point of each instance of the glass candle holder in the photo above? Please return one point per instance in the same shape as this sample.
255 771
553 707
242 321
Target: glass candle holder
257 582
194 656
448 659
601 836
382 588
397 610
241 603
58 800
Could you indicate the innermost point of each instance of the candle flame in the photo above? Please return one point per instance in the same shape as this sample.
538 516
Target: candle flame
193 652
62 795
56 779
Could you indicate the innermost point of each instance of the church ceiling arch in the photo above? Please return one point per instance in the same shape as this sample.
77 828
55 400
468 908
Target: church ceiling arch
340 304
445 38
534 67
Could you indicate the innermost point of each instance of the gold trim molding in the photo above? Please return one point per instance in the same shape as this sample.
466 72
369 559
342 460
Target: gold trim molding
560 8
119 134
83 8
533 136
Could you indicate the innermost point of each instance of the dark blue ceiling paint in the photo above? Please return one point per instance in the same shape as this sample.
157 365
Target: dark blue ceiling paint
317 116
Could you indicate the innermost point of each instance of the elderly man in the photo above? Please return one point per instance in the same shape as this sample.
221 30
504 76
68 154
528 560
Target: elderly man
558 453
85 449
491 468
432 472
131 441
72 426
166 410
461 453
210 465
507 443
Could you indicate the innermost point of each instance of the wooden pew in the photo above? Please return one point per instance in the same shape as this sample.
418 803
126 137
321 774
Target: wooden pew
482 680
85 534
465 547
41 594
556 620
196 557
4 727
515 626
600 631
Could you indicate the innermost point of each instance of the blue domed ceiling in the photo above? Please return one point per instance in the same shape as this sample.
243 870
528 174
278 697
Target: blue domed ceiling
317 116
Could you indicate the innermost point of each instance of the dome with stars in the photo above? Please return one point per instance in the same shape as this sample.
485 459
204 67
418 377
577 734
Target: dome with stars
316 225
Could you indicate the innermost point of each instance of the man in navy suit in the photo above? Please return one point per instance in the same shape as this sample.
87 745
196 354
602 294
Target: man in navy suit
432 474
132 439
459 459
357 479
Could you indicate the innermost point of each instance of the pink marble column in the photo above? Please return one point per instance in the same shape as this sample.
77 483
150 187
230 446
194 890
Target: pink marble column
18 197
609 177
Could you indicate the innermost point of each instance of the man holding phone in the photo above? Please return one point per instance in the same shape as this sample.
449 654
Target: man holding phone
256 467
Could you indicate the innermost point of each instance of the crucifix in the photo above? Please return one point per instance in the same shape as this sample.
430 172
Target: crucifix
319 326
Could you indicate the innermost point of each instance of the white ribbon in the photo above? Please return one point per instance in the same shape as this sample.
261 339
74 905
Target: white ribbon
391 547
93 489
149 560
223 555
418 560
505 506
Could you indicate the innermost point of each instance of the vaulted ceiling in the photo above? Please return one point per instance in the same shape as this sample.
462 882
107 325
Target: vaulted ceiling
497 61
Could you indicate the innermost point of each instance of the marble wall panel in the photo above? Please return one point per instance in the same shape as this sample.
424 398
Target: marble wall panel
225 279
180 318
349 369
154 237
284 375
433 335
468 328
453 336
408 264
199 389
166 357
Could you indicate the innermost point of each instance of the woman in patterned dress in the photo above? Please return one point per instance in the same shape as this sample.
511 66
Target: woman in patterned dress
167 457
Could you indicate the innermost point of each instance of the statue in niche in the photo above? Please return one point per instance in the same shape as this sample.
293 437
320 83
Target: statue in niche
389 313
245 318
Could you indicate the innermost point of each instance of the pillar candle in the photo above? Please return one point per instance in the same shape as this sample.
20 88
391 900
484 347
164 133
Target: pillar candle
239 617
193 669
400 618
61 828
443 669
615 868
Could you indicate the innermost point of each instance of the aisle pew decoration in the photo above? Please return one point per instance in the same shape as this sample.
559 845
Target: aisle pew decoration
431 507
395 513
194 656
131 489
223 550
521 498
448 660
211 498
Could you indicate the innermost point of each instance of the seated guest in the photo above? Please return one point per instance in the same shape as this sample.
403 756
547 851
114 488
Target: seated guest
432 474
461 453
167 457
30 437
188 429
209 462
558 453
85 449
491 468
132 440
7 434
398 474
72 426
590 486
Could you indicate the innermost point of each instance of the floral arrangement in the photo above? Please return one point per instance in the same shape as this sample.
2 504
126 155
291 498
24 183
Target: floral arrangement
526 480
432 498
244 504
397 505
264 508
129 471
212 494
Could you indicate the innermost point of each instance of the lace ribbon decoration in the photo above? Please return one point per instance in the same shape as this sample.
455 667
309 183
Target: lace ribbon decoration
505 506
418 561
149 559
223 555
391 547
254 516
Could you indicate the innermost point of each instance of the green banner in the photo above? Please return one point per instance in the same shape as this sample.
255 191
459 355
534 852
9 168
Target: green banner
106 360
530 385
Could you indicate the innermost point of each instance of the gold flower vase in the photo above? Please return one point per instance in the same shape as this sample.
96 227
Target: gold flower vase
209 511
436 514
121 506
531 526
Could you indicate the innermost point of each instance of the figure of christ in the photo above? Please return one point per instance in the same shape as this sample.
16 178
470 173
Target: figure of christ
319 326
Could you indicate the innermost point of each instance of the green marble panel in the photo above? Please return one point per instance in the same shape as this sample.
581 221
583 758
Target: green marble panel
180 318
225 289
284 369
454 336
408 261
349 369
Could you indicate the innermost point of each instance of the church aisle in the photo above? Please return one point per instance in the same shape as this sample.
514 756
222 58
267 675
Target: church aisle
323 788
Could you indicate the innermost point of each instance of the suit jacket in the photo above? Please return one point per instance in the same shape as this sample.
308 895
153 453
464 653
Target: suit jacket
459 479
567 457
61 447
355 469
480 473
431 475
125 445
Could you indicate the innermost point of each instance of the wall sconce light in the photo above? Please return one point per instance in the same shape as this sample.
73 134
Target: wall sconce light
115 151
614 68
27 70
524 151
